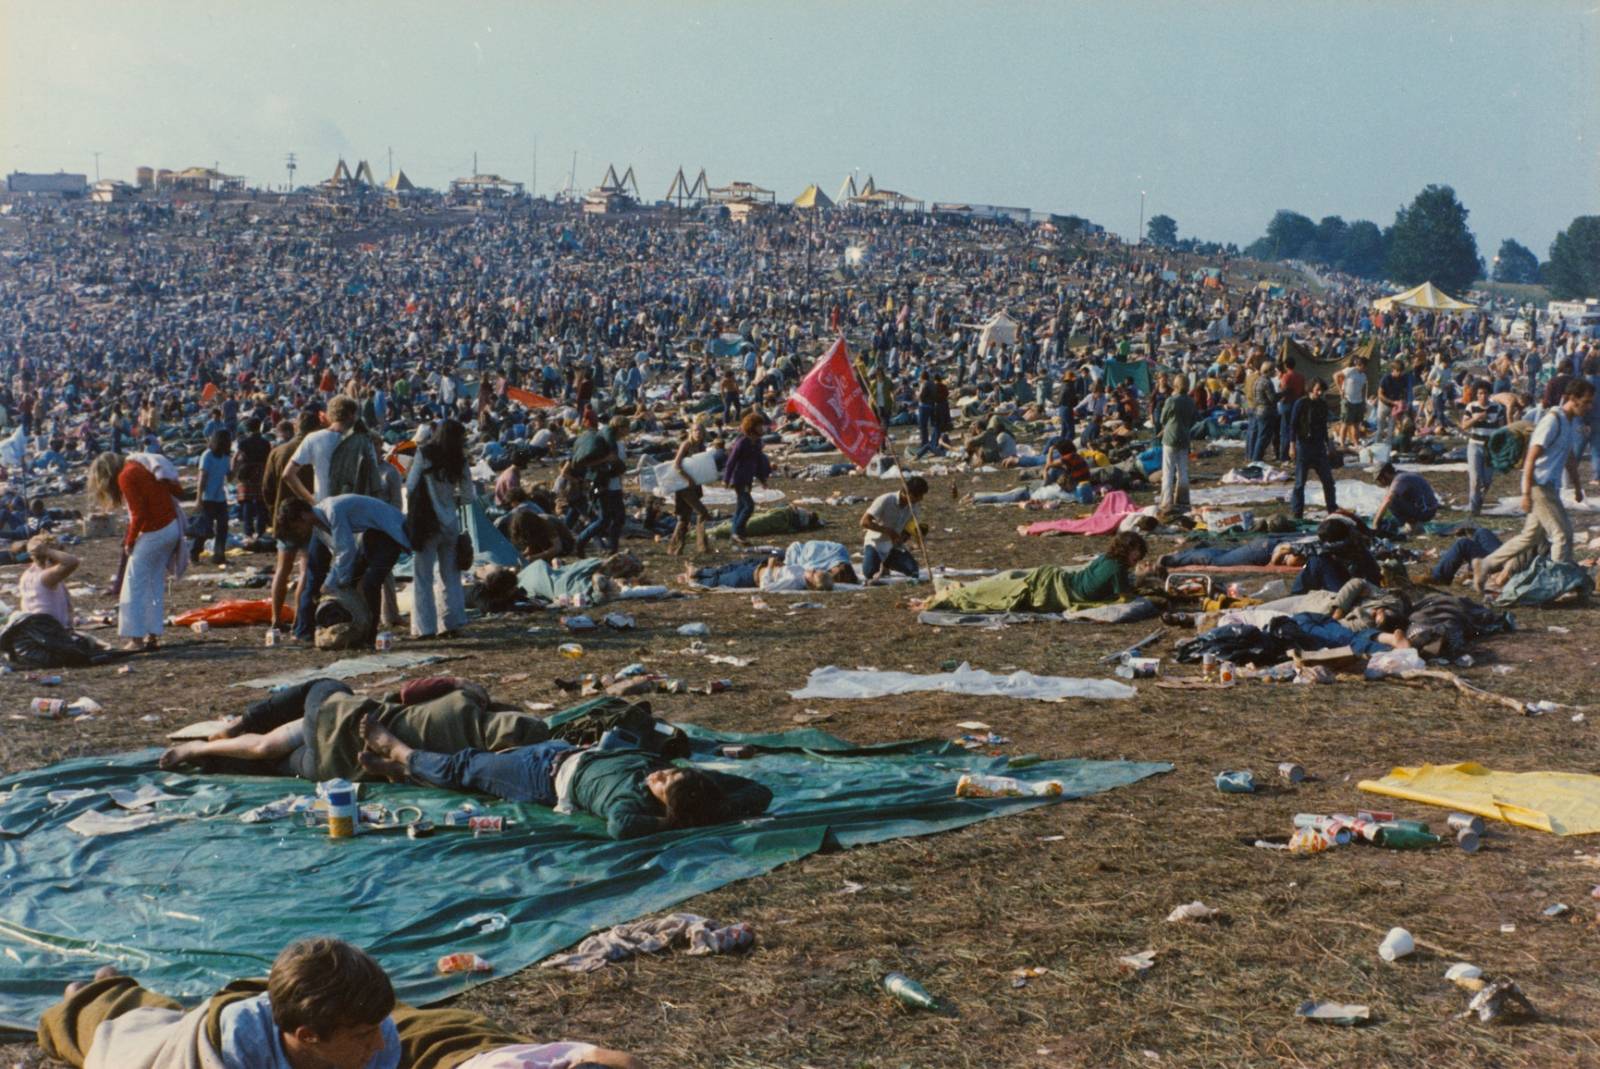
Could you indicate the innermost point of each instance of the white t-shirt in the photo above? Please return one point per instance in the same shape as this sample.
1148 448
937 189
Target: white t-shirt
783 577
316 453
1355 386
891 514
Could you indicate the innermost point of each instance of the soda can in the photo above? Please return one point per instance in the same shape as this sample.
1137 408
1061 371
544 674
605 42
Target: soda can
200 627
1331 828
1208 666
486 825
384 642
274 636
1376 816
51 707
1468 840
1465 822
1293 773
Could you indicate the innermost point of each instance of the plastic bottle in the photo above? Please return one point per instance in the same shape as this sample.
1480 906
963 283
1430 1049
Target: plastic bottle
909 992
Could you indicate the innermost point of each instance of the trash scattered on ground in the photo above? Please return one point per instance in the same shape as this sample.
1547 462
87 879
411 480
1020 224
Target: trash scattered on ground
578 623
1333 1012
1020 977
909 992
1557 909
1290 772
1138 963
1397 944
981 785
694 630
454 963
489 922
1465 975
1500 998
1191 911
1236 782
618 621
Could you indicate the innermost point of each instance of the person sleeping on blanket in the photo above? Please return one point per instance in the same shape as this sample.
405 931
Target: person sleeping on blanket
1270 552
325 1004
634 791
1049 587
810 565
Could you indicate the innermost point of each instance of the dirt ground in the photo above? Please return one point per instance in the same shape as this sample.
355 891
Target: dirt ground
1070 887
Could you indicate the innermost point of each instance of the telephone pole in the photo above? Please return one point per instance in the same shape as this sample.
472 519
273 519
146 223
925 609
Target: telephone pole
291 165
391 161
96 166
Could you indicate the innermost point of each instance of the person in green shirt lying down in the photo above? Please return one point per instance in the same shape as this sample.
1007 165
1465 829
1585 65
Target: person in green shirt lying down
1049 587
635 792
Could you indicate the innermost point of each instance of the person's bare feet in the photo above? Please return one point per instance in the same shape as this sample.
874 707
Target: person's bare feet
1477 575
178 755
105 972
382 766
133 645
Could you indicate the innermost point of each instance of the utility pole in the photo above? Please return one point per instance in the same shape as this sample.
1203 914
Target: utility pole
391 161
474 163
290 164
1139 236
534 185
97 166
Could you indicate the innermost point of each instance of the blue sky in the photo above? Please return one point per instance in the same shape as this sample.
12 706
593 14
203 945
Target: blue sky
1222 112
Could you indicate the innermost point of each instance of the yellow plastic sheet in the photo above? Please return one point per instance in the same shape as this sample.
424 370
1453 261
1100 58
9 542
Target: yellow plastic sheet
1562 803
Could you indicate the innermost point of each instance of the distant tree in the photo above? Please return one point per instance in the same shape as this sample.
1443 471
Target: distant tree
1289 235
1430 242
1327 246
1364 250
1163 231
1515 263
1573 271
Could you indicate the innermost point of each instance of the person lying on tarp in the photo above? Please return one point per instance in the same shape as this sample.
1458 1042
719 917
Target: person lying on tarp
1271 551
325 1004
634 791
313 730
1049 587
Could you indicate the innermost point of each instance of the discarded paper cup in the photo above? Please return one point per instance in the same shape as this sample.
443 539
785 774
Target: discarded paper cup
1397 944
1465 822
1291 772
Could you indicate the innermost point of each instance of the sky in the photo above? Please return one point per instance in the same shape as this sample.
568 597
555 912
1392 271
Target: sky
1220 112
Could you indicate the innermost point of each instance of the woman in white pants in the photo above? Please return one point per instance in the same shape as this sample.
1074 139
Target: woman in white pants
436 487
147 484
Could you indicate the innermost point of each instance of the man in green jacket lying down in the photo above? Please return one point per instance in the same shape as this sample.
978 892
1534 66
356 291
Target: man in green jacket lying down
635 792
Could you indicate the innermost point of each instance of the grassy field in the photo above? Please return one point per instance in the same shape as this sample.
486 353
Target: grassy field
1068 888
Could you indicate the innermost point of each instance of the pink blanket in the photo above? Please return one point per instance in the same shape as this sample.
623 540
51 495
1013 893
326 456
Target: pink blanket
1106 519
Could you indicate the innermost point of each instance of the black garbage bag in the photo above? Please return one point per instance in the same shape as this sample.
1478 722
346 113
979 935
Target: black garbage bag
39 640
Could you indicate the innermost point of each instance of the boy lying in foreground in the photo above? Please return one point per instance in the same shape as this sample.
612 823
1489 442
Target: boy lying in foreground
325 1005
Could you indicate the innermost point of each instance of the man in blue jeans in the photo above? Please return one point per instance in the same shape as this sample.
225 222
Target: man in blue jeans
1308 421
352 539
886 524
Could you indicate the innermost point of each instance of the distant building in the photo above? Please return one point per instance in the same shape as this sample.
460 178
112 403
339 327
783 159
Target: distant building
483 189
111 191
984 212
871 197
60 184
199 180
743 200
613 194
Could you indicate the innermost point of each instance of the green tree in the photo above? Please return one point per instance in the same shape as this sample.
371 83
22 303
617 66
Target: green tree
1364 250
1430 242
1573 271
1327 246
1289 234
1515 263
1162 230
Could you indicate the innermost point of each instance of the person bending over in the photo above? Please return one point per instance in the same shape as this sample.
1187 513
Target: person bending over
635 792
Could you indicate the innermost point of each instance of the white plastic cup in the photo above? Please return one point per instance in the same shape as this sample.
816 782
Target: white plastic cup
1397 944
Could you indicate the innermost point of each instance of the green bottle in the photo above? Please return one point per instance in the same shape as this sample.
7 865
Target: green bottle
909 992
1398 837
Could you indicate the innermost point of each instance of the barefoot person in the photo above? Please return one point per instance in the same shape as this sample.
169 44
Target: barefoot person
324 1005
147 484
635 792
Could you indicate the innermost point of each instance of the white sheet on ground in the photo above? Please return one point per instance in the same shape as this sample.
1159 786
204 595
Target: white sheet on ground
1512 506
1360 497
723 496
348 668
833 682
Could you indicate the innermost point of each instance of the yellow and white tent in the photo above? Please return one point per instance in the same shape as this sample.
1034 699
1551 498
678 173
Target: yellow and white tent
813 198
1425 298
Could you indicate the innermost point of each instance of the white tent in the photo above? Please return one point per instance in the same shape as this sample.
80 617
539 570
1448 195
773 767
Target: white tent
999 329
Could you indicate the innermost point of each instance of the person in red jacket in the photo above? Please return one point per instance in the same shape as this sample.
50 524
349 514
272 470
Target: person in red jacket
147 485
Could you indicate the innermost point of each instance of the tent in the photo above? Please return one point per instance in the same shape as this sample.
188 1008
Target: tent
813 198
1000 329
1424 298
1137 372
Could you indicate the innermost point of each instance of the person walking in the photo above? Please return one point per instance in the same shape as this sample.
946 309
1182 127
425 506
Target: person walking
1553 452
1176 424
688 504
437 487
211 497
747 463
147 485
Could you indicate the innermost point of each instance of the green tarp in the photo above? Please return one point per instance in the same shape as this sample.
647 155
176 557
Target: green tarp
1134 371
192 903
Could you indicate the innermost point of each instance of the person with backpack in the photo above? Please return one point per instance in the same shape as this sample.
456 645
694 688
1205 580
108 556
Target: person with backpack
601 455
437 486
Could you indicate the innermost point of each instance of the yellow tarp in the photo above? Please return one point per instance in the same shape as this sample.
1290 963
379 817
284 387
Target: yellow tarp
1427 297
1562 803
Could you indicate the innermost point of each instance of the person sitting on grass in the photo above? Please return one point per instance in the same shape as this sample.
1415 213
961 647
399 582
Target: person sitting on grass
634 791
325 1004
44 585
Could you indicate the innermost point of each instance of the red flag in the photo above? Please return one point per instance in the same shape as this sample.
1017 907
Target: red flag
528 398
831 399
